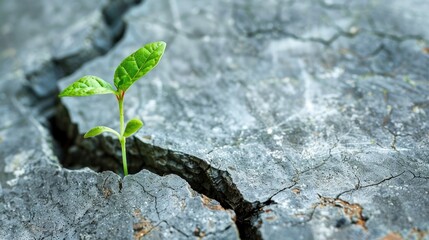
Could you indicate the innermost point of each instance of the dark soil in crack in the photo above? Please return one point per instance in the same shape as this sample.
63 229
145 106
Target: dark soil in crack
103 153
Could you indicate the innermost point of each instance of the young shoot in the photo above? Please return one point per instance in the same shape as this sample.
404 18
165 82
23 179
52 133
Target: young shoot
131 69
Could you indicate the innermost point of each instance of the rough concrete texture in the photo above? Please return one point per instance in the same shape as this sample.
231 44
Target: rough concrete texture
308 118
48 39
42 41
24 143
55 203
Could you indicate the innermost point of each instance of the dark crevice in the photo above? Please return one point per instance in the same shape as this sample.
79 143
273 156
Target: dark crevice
270 200
111 12
43 88
43 79
103 153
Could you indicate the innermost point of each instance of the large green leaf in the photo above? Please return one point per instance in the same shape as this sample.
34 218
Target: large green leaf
87 86
138 64
132 127
98 130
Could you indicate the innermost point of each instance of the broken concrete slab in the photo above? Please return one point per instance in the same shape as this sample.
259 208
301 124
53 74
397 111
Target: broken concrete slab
58 203
24 142
39 37
38 198
47 40
261 101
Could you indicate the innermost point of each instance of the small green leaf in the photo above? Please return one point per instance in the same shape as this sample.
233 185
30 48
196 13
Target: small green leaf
98 130
87 86
132 127
138 64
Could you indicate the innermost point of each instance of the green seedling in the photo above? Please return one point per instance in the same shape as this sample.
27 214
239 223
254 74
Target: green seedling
131 69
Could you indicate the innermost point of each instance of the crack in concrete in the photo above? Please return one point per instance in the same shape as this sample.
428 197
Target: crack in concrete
395 138
202 177
219 184
353 210
165 161
359 186
57 68
269 201
107 192
380 49
153 196
279 32
285 34
398 38
309 216
418 176
324 161
258 207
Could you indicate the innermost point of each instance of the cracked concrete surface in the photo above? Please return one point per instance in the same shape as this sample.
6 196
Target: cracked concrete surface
316 103
45 41
62 204
39 198
307 118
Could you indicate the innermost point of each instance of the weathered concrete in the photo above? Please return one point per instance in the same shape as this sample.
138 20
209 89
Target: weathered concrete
24 143
62 204
308 118
38 198
48 39
313 112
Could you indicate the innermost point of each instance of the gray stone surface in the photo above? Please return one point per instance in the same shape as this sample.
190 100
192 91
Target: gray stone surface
40 42
39 199
55 203
308 118
24 142
45 40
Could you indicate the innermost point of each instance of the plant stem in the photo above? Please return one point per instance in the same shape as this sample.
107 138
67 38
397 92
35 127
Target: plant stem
121 115
124 156
122 138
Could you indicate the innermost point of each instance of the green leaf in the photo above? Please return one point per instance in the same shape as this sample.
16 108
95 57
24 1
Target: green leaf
98 130
87 86
132 127
138 64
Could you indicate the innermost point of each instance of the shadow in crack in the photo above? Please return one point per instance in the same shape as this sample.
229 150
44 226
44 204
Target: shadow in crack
103 153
